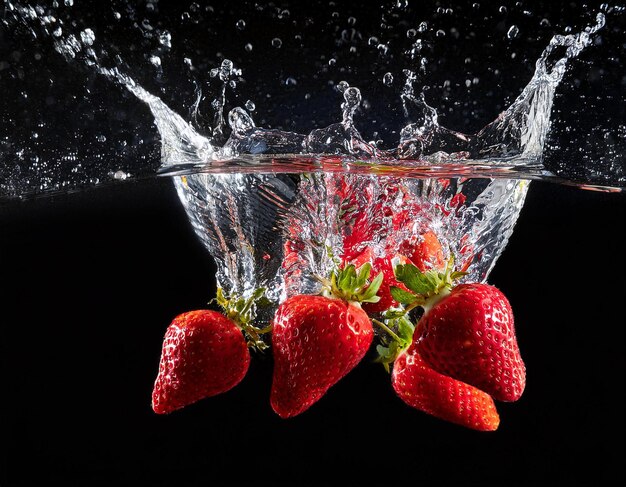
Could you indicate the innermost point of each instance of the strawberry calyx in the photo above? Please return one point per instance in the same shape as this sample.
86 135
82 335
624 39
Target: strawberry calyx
242 311
423 289
398 337
352 285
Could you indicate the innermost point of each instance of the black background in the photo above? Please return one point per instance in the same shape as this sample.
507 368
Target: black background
91 280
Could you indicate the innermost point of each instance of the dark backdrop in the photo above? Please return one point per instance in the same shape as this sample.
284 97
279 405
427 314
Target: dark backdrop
91 280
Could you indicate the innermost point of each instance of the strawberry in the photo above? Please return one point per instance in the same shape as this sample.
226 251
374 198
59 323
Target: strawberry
385 266
423 388
317 340
426 253
469 335
204 354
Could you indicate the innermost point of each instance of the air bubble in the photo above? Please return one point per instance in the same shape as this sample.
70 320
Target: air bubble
87 37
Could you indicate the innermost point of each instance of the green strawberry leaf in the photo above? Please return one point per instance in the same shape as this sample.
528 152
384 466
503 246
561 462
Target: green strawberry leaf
414 279
402 296
369 296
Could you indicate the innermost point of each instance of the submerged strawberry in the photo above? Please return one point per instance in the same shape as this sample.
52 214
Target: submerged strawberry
469 335
427 253
204 354
421 387
385 265
317 340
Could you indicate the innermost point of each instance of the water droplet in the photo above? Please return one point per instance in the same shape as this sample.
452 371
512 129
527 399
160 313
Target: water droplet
351 21
382 49
291 82
544 23
388 79
240 122
342 86
332 61
335 15
87 37
58 32
156 61
240 24
101 138
277 43
188 62
503 9
248 47
69 3
120 175
117 15
513 32
284 14
165 39
422 27
250 106
476 5
440 33
402 3
411 33
373 41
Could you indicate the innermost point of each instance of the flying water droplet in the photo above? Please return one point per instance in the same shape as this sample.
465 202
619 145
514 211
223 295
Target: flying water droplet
388 79
240 24
250 106
276 42
513 32
165 39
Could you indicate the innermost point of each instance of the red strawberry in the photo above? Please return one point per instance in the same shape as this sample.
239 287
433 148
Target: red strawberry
469 335
317 340
204 354
443 397
385 265
427 252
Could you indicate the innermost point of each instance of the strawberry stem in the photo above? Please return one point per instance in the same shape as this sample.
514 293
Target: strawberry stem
242 311
387 330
